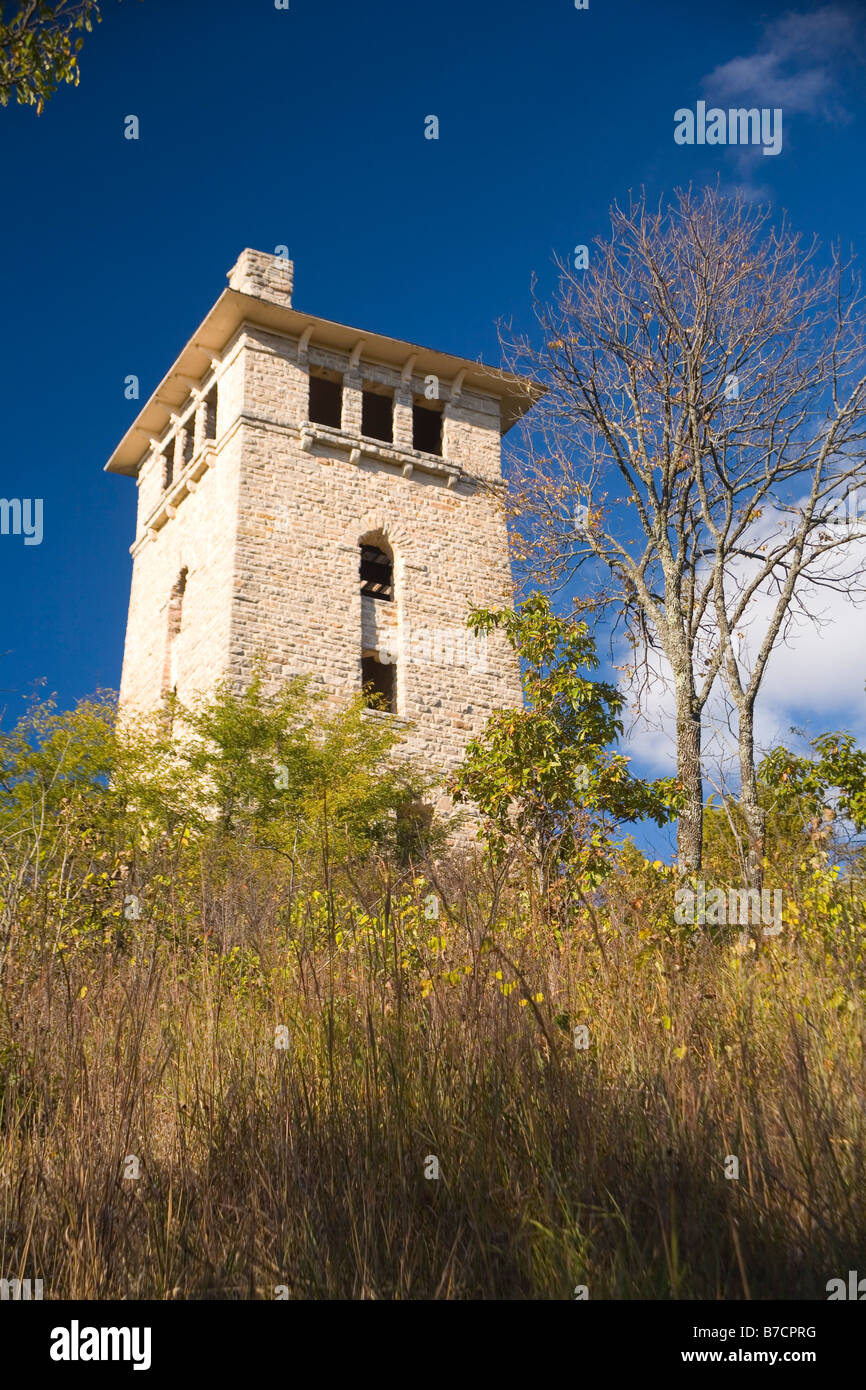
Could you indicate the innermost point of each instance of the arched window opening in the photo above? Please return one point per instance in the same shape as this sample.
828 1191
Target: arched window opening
377 573
175 615
379 623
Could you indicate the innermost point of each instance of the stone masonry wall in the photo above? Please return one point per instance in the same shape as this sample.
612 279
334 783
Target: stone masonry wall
270 540
301 517
200 538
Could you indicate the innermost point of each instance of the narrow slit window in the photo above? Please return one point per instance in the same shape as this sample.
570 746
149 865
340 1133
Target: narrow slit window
168 464
377 415
175 615
426 429
326 400
377 573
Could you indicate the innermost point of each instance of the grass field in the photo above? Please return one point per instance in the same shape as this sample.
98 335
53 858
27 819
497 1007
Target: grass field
247 1091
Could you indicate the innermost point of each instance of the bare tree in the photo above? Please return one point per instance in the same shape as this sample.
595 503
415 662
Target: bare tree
705 402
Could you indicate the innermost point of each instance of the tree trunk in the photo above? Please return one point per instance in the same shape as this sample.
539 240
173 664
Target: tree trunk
690 826
753 814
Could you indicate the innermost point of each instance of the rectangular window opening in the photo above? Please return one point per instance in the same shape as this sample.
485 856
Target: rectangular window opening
188 438
379 680
168 464
326 400
210 413
427 428
377 415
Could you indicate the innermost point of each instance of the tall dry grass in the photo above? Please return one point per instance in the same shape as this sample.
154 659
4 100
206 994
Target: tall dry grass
412 1038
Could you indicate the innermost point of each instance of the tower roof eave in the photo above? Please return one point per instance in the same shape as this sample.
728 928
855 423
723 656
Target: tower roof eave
232 309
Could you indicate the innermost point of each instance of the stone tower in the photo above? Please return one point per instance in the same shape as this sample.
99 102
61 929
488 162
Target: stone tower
328 501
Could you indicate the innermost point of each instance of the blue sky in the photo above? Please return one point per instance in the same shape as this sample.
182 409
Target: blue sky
305 127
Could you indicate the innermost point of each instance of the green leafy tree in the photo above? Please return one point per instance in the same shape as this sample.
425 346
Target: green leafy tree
544 774
814 805
39 48
67 835
807 786
288 772
102 819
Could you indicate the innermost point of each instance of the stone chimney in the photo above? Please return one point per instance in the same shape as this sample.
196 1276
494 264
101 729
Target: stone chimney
265 275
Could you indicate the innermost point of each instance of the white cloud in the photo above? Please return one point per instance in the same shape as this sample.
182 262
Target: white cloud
814 680
801 65
797 64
